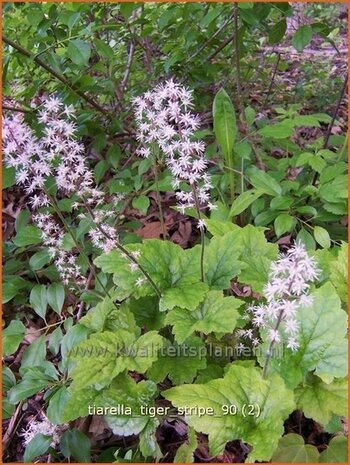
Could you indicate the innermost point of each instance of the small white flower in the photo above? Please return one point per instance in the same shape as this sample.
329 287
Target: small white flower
201 224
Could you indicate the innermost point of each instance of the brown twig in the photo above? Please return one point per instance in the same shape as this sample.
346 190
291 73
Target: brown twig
272 80
20 110
13 425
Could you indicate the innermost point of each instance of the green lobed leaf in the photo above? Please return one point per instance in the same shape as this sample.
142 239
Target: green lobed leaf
292 449
184 453
242 385
125 391
216 314
104 355
322 339
221 260
180 362
339 273
319 400
106 317
336 452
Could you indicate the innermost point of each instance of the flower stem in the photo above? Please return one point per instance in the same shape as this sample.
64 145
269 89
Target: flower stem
124 250
80 249
198 211
269 351
159 200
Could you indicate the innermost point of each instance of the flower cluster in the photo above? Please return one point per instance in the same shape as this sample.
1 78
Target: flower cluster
52 236
164 118
59 154
44 427
286 291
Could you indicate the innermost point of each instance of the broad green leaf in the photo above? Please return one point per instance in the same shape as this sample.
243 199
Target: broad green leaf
104 49
244 200
292 449
79 52
100 170
186 296
283 223
148 443
277 32
180 362
38 299
319 400
264 182
8 409
221 260
142 203
56 297
12 336
322 339
104 355
22 220
125 391
281 203
8 379
12 286
29 235
33 381
38 446
322 237
56 405
216 314
339 273
224 122
35 17
256 256
39 260
336 452
167 263
306 238
34 354
8 176
184 453
302 37
277 131
106 317
220 228
75 444
78 402
242 385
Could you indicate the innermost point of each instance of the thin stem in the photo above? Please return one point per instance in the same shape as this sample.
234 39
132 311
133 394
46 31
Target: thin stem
198 211
80 249
158 197
124 250
269 351
272 81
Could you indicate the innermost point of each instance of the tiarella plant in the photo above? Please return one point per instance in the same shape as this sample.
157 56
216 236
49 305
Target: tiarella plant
165 339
